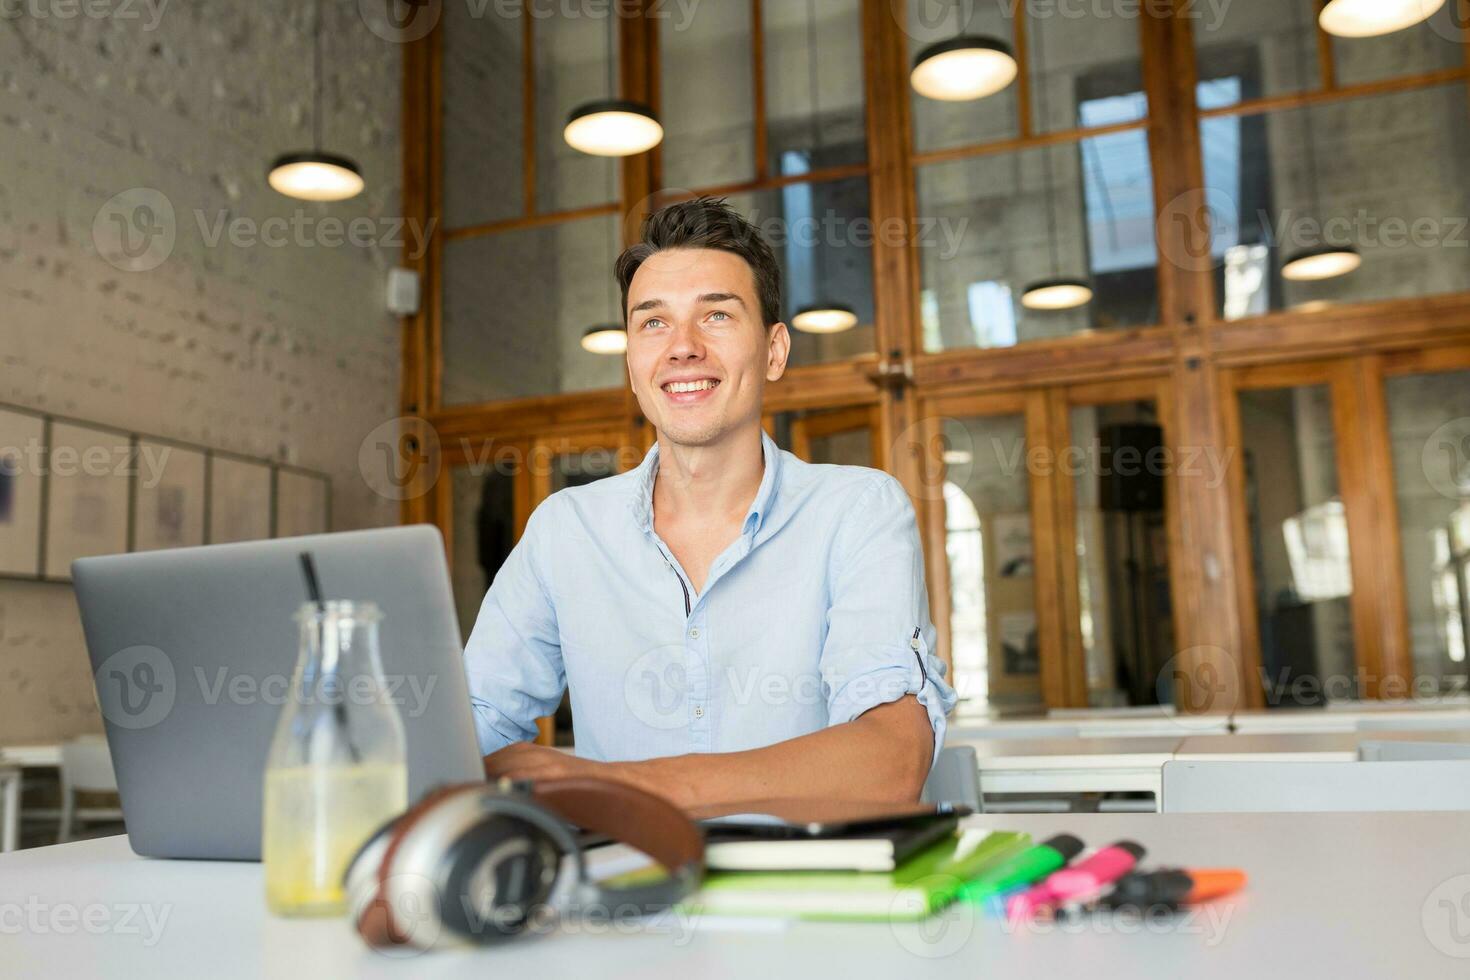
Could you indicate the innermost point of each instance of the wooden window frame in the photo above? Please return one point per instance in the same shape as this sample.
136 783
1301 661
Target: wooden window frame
1194 356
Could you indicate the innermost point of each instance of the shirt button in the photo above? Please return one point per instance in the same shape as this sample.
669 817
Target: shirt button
699 711
694 634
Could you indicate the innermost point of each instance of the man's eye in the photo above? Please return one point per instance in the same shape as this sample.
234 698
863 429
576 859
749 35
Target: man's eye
652 323
719 313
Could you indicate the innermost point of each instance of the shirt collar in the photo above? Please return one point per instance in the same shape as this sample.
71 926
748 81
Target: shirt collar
760 507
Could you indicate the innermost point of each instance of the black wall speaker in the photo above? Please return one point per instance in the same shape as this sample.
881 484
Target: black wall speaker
1131 467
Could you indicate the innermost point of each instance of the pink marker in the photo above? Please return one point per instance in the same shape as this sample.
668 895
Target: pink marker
1078 882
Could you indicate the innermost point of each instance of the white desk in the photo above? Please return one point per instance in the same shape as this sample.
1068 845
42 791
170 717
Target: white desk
34 755
1331 895
1300 746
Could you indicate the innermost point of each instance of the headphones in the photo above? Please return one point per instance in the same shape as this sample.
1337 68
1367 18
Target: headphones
480 863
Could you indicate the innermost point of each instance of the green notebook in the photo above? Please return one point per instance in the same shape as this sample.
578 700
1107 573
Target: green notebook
921 885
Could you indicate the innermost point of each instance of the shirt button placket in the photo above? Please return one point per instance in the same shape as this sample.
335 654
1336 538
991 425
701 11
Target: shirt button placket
696 646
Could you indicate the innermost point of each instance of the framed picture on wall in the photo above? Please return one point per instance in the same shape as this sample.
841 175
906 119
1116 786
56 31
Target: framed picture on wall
22 444
87 497
301 503
168 496
239 499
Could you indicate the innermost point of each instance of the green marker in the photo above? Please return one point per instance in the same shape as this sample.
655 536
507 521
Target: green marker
1029 866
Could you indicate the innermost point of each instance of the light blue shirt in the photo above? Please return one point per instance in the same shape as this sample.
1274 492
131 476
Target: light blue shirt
816 613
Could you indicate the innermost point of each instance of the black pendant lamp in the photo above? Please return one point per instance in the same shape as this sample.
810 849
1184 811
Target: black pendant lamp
1370 18
612 127
1327 260
1058 292
314 175
825 315
964 67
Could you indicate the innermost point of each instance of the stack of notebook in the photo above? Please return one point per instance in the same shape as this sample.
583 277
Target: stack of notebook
888 865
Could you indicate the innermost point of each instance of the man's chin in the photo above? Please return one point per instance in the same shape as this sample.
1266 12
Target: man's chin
694 435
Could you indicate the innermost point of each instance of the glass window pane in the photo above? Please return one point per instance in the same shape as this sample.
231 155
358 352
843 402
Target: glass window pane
1247 49
993 627
1085 67
515 308
581 468
992 225
1429 424
843 435
814 85
1126 613
482 123
822 237
1427 46
1383 175
1299 545
483 533
575 64
938 124
707 93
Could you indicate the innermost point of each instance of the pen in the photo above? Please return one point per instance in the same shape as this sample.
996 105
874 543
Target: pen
1172 887
1079 882
1030 865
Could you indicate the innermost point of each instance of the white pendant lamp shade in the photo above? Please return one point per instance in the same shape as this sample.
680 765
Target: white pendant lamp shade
613 128
1316 264
315 176
1056 294
1370 18
963 68
824 318
608 338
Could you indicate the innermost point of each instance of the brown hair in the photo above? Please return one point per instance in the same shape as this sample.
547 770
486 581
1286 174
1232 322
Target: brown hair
706 222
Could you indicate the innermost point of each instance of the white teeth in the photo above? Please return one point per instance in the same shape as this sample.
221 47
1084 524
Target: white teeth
681 386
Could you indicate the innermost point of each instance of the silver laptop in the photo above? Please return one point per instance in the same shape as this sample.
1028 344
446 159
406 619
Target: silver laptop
193 650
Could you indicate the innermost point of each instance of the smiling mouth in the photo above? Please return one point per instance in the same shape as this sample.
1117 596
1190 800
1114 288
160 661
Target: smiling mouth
690 387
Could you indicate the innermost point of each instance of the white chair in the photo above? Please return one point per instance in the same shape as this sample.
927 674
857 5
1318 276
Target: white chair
955 778
1314 787
86 767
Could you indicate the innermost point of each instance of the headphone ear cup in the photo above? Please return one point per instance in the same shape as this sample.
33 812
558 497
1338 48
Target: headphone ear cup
500 874
368 909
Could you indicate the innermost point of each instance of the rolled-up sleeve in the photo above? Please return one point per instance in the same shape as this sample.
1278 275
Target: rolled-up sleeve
880 639
513 659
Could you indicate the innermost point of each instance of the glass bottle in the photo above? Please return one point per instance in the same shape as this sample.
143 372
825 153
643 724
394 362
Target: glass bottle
336 770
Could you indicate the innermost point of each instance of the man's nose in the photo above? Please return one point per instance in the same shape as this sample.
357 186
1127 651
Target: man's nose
685 343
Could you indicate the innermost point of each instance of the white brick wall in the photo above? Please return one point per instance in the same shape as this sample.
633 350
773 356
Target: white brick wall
281 352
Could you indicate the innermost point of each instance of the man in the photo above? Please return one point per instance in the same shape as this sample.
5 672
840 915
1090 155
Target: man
734 624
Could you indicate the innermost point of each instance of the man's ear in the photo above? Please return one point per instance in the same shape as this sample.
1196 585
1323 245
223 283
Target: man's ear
778 349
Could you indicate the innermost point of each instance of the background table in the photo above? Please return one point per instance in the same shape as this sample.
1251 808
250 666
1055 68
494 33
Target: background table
1331 895
1300 746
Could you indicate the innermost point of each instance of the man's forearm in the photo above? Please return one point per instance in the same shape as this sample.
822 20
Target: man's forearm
882 755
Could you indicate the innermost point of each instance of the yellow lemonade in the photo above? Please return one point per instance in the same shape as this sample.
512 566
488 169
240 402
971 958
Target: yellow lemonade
316 818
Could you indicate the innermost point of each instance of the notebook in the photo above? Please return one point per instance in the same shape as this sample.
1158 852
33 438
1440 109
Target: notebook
923 884
881 847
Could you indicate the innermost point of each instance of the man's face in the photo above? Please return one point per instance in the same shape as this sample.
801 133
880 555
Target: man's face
698 353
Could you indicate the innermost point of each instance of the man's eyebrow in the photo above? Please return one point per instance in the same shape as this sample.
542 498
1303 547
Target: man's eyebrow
720 298
653 304
648 304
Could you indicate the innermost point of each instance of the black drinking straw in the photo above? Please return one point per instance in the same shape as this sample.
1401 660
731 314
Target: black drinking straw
313 587
314 592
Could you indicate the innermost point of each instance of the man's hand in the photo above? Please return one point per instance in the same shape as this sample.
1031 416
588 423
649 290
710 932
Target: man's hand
526 760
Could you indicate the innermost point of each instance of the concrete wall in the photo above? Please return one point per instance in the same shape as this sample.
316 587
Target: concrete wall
279 352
